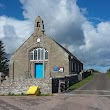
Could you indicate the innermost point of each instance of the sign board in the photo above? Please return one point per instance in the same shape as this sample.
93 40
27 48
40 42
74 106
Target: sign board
55 69
61 69
58 69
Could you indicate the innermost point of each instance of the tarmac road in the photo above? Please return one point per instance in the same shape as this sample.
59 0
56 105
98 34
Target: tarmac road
99 82
100 85
67 101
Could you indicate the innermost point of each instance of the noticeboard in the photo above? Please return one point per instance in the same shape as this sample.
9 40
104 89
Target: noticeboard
55 69
61 69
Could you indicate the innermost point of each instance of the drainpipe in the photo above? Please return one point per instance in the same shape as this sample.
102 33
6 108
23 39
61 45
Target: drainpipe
43 52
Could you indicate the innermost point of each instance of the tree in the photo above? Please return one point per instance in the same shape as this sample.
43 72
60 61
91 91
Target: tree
108 71
3 59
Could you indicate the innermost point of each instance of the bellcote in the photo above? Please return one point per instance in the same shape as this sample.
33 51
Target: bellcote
38 27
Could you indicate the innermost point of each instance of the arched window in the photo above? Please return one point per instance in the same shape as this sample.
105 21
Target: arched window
37 54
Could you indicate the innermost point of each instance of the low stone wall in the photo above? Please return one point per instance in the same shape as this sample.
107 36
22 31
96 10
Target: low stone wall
85 74
19 86
60 83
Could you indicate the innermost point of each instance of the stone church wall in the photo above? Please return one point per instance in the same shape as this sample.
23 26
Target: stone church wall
19 86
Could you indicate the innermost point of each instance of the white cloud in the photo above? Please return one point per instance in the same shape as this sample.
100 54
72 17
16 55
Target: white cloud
65 22
97 43
14 32
62 18
96 37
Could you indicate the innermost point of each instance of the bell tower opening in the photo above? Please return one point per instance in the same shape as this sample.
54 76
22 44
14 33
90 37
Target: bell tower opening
39 26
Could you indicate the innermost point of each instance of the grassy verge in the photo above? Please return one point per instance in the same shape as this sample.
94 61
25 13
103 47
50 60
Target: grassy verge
81 83
12 94
108 74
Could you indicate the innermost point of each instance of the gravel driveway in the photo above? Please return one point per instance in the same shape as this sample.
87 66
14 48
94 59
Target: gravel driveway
59 102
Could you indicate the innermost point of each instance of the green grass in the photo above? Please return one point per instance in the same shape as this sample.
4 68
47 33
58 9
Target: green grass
108 74
22 94
12 94
81 83
45 95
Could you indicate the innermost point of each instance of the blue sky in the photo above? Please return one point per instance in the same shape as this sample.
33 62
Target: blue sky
96 8
85 25
11 8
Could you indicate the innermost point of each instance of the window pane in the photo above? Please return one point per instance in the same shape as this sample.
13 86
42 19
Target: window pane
35 54
75 66
41 54
38 53
78 68
46 54
72 65
31 55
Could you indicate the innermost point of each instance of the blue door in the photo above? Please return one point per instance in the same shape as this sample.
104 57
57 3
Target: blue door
38 70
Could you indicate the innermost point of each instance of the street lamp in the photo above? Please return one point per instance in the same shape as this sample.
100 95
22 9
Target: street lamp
43 52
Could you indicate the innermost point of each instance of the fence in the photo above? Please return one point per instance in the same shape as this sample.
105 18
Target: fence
62 83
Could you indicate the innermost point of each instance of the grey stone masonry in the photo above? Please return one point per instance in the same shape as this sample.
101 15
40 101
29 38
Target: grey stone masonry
21 85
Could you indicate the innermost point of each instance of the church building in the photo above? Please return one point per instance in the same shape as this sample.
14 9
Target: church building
42 57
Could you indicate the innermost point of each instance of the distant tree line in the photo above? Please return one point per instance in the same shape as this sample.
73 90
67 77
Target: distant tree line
93 70
108 71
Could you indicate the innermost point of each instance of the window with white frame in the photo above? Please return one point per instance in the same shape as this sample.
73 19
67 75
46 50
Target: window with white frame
37 54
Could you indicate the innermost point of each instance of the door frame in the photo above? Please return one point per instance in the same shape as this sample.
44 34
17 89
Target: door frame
36 76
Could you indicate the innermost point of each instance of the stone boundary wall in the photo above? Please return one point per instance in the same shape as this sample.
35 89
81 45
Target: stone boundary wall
85 74
19 86
63 83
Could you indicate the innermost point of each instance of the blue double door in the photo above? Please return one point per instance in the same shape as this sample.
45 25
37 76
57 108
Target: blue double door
39 70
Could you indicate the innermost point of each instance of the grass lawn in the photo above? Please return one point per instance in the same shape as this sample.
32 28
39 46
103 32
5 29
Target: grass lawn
81 83
108 74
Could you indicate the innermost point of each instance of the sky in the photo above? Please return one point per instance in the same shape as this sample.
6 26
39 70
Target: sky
83 25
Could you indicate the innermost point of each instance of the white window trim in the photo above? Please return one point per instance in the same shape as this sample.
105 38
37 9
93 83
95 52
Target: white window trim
40 59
